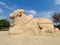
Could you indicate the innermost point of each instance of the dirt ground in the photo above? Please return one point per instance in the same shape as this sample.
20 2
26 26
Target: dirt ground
50 39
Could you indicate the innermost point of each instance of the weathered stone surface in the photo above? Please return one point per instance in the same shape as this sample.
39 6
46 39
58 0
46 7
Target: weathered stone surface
28 24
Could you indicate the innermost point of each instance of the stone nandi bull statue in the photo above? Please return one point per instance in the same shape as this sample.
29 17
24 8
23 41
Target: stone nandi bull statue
22 24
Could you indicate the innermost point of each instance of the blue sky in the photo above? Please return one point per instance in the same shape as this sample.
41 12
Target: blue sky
38 8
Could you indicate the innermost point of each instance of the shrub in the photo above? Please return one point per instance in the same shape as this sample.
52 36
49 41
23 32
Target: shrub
58 26
4 24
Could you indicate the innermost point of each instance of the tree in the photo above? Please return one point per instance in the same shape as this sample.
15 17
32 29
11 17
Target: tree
58 26
4 24
56 17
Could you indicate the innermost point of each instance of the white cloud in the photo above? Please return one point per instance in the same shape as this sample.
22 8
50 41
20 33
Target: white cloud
1 11
57 2
4 4
33 12
46 14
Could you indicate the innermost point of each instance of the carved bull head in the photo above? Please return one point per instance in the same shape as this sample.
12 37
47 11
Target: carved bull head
16 13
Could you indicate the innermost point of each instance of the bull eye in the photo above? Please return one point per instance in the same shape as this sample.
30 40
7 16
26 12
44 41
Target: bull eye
20 15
